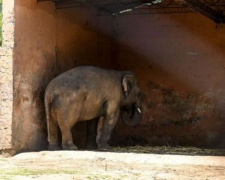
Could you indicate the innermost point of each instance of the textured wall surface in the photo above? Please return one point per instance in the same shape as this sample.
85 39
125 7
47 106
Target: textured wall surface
87 41
179 66
34 67
6 76
179 60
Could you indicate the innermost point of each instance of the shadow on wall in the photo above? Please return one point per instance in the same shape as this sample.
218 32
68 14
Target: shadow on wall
34 66
40 56
87 40
180 70
176 68
175 113
29 113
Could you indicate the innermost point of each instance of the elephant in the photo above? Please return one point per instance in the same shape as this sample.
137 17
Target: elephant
86 93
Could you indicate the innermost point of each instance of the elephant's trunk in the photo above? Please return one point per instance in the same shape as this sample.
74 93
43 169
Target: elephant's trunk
131 116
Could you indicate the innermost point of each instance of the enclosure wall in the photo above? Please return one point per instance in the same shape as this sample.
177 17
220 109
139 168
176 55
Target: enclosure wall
83 38
34 67
178 59
180 63
50 41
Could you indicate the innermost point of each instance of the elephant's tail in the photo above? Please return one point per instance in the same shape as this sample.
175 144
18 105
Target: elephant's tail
48 102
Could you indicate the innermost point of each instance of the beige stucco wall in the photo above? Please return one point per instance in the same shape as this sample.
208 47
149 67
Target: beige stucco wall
6 76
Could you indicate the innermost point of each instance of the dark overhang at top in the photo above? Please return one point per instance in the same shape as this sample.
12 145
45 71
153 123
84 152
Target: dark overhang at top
213 9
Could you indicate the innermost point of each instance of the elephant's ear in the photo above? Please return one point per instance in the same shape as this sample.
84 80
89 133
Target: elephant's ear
128 83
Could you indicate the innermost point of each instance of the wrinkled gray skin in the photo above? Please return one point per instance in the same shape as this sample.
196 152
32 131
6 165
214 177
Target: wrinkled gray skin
86 93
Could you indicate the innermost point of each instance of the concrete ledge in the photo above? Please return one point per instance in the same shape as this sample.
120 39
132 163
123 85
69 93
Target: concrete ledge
125 157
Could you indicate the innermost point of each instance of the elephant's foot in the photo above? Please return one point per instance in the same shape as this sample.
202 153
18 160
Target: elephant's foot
54 147
70 147
103 147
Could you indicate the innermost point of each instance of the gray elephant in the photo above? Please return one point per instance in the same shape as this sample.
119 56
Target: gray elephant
87 93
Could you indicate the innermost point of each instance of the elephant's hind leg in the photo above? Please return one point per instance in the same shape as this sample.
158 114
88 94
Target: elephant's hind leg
53 136
65 113
66 121
67 139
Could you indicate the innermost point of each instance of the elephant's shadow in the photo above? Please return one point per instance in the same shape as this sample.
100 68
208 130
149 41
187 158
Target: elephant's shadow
79 132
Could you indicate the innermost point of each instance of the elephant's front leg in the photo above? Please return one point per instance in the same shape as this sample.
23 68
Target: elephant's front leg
109 123
92 128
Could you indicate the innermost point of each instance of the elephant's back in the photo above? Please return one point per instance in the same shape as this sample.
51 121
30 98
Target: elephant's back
87 77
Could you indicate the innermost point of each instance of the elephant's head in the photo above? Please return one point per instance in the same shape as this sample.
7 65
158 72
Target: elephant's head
131 109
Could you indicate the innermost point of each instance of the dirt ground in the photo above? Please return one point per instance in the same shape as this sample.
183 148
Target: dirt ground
161 163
